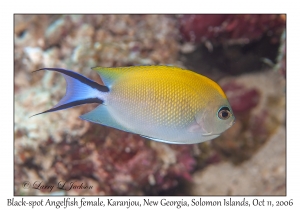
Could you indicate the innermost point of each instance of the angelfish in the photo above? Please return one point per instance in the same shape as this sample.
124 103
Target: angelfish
163 103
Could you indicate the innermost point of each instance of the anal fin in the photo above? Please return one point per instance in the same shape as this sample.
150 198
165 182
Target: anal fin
101 115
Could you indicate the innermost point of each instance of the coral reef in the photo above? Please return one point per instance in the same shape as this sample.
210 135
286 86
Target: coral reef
133 167
233 44
61 148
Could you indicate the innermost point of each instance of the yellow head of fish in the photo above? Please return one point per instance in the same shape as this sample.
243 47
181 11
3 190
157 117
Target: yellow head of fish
162 103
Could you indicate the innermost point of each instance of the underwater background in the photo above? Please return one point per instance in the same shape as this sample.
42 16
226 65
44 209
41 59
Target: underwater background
245 54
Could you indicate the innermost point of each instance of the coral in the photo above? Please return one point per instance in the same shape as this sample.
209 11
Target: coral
233 44
241 99
112 161
219 56
230 29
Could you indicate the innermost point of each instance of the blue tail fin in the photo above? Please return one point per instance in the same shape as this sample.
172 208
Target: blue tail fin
80 90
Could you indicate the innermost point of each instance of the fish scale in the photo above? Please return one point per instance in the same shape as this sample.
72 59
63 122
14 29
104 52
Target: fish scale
163 105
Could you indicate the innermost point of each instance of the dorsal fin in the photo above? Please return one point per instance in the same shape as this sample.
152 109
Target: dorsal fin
109 75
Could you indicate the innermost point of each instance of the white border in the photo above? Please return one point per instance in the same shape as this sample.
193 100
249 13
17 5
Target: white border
154 6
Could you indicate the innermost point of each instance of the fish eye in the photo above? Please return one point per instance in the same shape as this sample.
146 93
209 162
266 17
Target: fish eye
224 113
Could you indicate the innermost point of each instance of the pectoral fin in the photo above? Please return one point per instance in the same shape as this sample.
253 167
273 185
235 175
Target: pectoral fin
198 127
